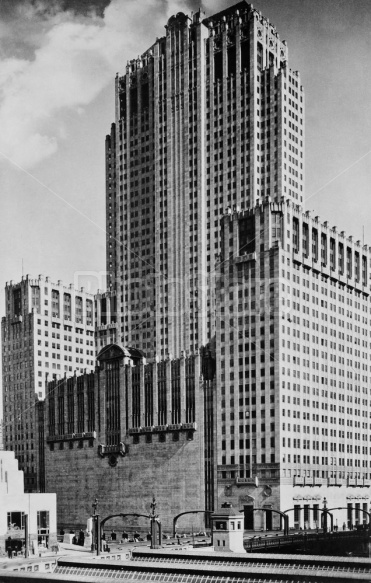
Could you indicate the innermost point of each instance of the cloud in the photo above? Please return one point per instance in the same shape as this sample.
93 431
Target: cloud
213 6
70 60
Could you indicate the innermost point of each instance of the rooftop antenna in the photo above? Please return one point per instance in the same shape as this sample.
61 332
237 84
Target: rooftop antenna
22 266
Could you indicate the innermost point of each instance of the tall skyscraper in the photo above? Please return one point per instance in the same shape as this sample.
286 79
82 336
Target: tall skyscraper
208 243
48 329
209 117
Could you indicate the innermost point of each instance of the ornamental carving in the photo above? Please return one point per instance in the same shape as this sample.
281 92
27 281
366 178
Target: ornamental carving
267 491
244 32
112 461
111 354
218 43
230 37
246 499
307 497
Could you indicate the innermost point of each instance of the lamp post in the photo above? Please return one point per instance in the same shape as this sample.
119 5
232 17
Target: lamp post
324 512
26 536
154 519
96 528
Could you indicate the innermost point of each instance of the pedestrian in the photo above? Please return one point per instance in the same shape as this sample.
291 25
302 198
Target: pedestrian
113 535
9 547
81 538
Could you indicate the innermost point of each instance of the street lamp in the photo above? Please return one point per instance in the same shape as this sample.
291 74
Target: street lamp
324 512
96 528
155 522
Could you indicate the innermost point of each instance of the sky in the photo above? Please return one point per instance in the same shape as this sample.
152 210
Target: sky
58 61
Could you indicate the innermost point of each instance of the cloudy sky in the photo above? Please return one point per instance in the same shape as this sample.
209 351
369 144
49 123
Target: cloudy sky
58 60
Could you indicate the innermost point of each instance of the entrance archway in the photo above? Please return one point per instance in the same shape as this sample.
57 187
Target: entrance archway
285 518
103 522
248 513
175 519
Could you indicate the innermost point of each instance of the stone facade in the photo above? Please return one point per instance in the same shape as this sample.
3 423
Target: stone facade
125 433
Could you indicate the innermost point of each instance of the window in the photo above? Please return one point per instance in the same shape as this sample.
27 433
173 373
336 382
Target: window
17 302
15 520
42 522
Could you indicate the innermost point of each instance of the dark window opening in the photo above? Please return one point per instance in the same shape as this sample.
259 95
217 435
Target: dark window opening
246 235
123 105
145 95
231 53
133 100
17 302
245 55
218 65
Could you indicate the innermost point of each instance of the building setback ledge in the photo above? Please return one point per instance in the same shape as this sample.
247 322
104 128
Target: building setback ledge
71 436
163 428
246 257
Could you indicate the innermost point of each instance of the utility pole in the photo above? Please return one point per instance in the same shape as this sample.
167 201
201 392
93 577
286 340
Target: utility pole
26 537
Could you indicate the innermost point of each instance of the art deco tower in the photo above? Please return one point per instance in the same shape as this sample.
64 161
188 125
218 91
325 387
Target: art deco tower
209 117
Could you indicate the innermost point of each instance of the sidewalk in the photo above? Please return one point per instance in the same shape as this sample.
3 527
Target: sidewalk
65 550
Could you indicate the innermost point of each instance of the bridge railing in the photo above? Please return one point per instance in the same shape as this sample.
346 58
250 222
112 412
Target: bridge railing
277 541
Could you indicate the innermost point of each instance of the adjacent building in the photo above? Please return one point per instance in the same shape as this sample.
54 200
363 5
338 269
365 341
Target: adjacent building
16 505
48 330
293 366
1 435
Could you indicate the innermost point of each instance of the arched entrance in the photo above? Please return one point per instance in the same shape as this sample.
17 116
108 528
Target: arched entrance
247 503
155 525
175 519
